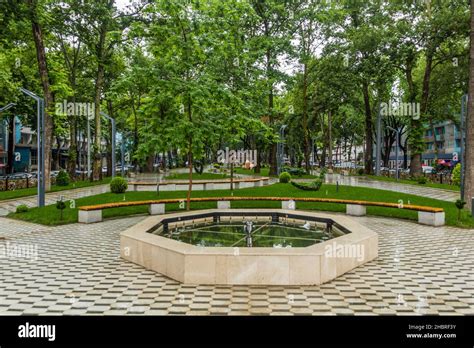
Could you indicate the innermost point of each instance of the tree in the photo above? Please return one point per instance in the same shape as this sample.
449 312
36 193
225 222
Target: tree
469 156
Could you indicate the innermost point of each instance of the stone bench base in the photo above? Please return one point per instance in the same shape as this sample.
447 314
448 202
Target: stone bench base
90 216
156 209
223 204
431 219
288 205
356 209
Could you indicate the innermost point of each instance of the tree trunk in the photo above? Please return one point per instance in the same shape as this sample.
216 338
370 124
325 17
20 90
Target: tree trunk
330 139
306 143
469 154
368 130
48 96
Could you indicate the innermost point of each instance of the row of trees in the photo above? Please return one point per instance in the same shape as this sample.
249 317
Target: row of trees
195 76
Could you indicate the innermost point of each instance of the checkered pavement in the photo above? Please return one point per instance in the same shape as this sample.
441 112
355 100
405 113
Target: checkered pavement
77 271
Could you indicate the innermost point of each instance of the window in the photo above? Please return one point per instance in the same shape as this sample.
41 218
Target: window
439 130
428 133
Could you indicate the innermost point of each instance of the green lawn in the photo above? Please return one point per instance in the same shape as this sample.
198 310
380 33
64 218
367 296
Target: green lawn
49 215
413 182
55 188
203 176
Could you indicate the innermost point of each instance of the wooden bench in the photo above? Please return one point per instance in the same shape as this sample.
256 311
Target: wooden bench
206 184
426 215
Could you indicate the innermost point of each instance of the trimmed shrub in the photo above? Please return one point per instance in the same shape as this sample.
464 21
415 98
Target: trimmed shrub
22 208
62 179
422 180
61 205
456 176
285 177
118 185
314 185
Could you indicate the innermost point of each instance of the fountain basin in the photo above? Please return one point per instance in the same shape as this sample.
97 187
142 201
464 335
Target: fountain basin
288 247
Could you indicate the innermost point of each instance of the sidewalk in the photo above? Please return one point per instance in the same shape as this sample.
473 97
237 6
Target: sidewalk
10 205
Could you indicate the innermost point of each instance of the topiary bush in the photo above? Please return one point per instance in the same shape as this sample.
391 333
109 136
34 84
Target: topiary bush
118 185
285 177
22 208
62 179
314 185
422 180
456 175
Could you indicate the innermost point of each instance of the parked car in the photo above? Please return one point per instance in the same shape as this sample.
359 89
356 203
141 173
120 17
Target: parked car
19 176
427 169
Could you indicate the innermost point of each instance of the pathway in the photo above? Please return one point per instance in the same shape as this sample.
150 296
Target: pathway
77 270
10 205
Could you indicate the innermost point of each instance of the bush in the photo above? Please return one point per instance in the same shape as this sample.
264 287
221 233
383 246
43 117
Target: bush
422 180
456 176
118 185
314 185
360 171
285 177
322 174
294 171
62 179
61 205
22 208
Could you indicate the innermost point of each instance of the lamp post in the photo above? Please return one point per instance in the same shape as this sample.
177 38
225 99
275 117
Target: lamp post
40 144
280 148
6 107
397 131
378 147
112 120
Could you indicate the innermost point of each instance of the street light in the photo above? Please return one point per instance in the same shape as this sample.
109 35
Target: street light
378 147
280 148
40 144
397 131
8 106
112 120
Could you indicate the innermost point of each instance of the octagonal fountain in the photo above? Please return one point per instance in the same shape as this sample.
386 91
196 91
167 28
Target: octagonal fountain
245 246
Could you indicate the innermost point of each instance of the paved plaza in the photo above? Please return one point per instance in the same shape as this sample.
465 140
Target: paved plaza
75 269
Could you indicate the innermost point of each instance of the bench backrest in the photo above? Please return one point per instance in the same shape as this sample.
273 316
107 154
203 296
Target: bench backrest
296 199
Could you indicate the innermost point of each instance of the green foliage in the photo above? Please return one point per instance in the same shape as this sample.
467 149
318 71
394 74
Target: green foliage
22 208
118 185
314 185
421 180
285 177
459 205
360 171
61 205
62 179
294 171
456 175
